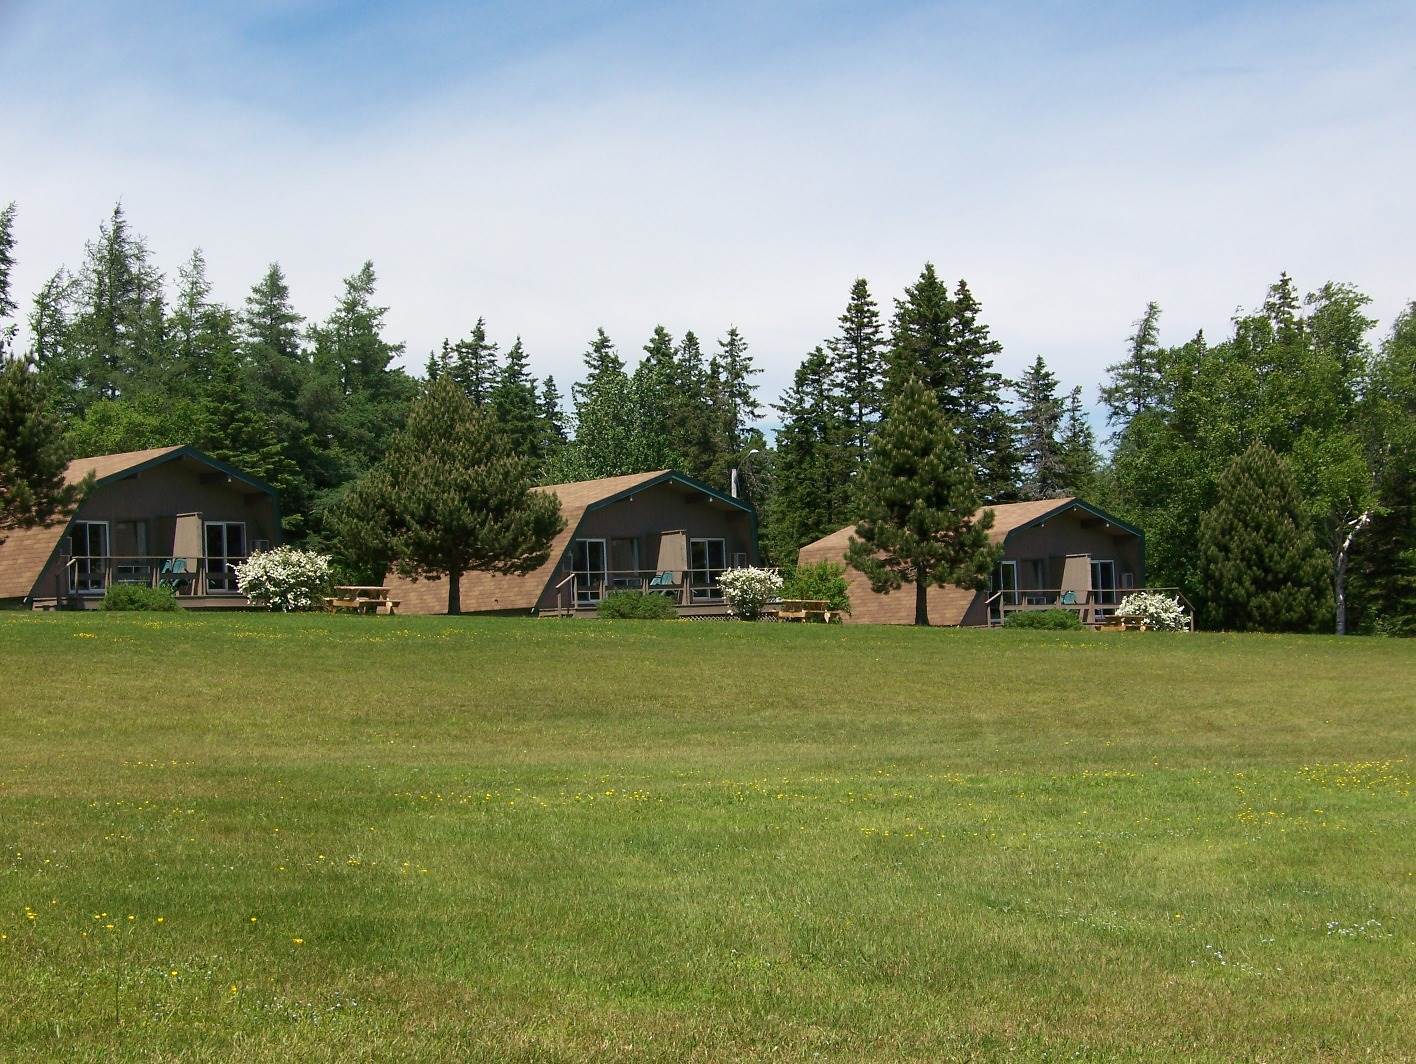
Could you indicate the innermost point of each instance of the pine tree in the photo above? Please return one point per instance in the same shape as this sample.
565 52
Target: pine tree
516 407
33 489
270 340
858 369
812 461
449 497
1259 564
1079 462
917 505
51 349
1038 419
195 328
552 416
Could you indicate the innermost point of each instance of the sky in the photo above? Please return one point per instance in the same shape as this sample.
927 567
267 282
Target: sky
556 167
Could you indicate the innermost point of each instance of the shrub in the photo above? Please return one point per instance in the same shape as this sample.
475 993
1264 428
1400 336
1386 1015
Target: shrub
636 606
1161 612
748 590
127 597
825 581
284 579
1057 620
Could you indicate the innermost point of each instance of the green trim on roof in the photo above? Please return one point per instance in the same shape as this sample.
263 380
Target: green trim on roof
196 455
1095 511
686 481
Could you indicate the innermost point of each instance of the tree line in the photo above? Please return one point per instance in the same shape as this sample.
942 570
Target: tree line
126 360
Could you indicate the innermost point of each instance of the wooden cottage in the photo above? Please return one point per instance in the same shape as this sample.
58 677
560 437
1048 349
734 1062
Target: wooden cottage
1056 552
661 532
168 515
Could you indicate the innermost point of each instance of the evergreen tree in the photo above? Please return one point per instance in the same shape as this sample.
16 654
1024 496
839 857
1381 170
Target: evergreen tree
270 341
516 407
195 331
986 430
235 430
812 463
917 504
472 363
858 369
1260 567
921 335
699 439
33 489
1135 382
735 392
1384 555
450 497
1078 460
117 334
7 264
1038 418
552 416
51 349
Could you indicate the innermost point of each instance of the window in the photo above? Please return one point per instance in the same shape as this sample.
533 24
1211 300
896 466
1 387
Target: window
1103 581
88 554
707 558
1005 579
588 559
225 549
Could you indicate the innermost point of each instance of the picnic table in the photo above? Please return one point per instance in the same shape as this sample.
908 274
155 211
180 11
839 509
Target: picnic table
804 610
357 599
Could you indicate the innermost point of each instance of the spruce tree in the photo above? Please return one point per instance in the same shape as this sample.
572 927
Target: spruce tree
472 363
118 333
858 369
736 393
237 430
33 489
1079 462
1135 382
698 441
552 416
921 341
449 497
1259 565
812 463
917 504
516 407
7 264
1038 419
986 430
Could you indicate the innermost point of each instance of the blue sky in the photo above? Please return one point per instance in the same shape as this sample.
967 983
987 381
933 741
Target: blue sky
556 167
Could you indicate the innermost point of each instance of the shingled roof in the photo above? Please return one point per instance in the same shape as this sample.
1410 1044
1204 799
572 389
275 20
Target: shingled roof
482 592
947 605
26 551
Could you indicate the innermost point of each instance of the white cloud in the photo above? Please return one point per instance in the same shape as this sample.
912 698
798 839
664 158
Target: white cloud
1070 179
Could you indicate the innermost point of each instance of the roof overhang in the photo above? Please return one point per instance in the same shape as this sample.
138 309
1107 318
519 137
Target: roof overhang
1078 504
671 477
178 454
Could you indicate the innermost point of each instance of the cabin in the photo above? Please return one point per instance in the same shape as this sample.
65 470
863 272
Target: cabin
1063 553
168 516
660 532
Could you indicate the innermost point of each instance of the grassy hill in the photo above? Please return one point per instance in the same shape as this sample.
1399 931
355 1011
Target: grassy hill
368 838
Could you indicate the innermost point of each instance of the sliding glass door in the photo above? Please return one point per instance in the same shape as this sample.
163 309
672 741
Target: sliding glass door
707 558
225 549
589 562
88 553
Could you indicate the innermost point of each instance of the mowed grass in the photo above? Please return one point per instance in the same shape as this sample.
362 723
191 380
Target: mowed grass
341 838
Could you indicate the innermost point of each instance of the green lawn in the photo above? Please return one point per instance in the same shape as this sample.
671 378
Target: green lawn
344 838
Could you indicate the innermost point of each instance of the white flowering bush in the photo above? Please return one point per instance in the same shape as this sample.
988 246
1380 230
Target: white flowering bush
749 590
1155 610
284 579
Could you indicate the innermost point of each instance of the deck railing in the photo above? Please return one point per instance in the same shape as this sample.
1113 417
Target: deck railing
1092 607
684 587
85 575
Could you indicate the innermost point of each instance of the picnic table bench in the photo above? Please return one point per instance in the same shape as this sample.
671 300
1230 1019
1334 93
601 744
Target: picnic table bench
804 610
362 600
